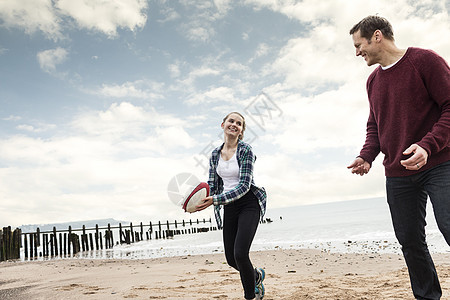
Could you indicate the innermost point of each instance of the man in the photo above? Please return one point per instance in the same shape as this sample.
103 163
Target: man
409 122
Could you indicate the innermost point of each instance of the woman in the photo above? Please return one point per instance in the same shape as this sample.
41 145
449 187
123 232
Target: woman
231 185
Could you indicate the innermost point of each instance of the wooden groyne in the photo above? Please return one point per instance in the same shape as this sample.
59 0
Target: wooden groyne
10 243
66 243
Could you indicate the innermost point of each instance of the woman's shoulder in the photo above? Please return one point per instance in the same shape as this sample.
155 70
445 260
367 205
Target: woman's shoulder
244 149
244 145
217 150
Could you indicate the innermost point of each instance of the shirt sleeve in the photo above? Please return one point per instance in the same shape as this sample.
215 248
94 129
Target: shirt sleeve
245 180
212 179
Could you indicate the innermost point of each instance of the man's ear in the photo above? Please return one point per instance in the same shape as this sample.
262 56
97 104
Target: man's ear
378 35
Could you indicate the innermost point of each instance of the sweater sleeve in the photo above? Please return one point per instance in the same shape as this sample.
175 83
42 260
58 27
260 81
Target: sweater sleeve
371 146
435 73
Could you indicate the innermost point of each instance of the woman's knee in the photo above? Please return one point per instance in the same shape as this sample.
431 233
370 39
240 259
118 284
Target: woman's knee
241 257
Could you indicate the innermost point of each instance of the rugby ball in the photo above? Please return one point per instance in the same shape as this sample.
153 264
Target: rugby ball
194 196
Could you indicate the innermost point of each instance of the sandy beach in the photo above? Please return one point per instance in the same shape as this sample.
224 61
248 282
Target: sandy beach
291 274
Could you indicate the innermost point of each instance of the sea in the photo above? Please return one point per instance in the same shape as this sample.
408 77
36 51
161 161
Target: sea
358 226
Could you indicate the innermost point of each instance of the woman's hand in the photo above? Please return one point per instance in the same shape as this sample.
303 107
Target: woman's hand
205 203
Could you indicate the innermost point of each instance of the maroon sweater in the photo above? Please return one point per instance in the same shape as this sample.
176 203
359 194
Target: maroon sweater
409 104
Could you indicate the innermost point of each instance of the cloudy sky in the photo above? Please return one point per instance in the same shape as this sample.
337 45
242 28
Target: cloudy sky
102 103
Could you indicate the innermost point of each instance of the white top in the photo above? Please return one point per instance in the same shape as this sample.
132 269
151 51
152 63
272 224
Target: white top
391 65
228 170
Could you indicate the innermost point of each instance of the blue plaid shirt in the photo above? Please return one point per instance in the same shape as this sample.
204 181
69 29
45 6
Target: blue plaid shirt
246 160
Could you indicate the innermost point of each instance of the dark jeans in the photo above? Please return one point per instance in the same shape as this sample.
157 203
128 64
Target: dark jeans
240 221
407 198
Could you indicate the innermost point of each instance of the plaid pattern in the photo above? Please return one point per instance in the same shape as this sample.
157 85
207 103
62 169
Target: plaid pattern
246 160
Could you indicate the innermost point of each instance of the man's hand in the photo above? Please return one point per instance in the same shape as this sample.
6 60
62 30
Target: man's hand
359 166
417 160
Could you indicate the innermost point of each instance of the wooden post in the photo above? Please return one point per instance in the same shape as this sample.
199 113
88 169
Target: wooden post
83 239
121 241
65 243
127 236
31 245
45 244
96 237
107 246
137 236
38 231
91 240
75 240
60 244
25 245
2 257
96 241
132 234
51 245
150 229
111 237
17 241
70 237
35 244
55 241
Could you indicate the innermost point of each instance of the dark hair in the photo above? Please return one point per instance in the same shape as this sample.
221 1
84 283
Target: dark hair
370 24
241 136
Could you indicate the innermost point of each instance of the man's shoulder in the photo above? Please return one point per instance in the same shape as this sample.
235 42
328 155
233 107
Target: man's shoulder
420 54
373 75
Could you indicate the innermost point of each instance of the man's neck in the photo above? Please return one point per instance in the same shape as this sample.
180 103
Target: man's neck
391 55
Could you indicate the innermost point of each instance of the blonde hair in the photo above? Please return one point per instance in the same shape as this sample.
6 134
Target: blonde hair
241 136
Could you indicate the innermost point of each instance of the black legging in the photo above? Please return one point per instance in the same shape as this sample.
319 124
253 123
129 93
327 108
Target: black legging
241 219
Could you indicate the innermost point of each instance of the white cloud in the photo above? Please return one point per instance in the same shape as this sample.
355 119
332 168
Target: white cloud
169 14
198 31
107 16
213 95
46 16
12 118
36 129
141 89
174 70
223 6
32 16
201 18
102 160
49 59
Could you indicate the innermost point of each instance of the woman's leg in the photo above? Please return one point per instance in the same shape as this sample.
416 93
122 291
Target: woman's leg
229 231
241 219
248 221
